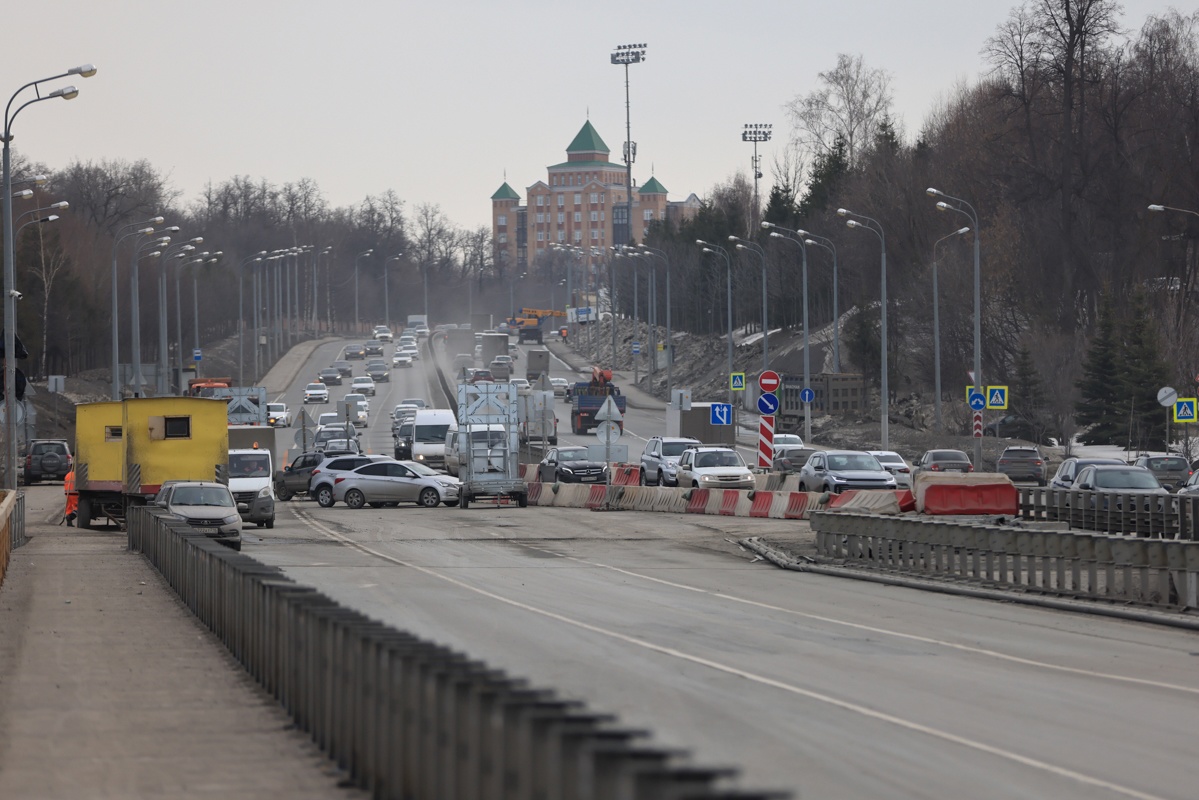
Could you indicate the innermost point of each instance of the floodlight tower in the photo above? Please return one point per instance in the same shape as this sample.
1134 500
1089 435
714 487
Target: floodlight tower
757 132
625 55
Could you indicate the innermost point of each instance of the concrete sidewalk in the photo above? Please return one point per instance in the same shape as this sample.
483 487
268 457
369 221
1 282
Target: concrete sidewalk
109 687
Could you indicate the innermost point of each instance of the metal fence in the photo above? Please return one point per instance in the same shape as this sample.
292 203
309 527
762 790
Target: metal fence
1169 517
1156 572
12 528
404 717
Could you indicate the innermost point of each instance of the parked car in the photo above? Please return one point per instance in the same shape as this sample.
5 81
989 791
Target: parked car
47 460
320 485
344 367
207 507
893 462
316 393
713 468
354 351
942 461
378 372
1170 471
837 470
363 384
570 465
392 482
278 415
1121 479
1069 469
1023 464
660 459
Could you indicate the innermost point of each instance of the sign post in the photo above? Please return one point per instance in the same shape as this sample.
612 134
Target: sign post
766 440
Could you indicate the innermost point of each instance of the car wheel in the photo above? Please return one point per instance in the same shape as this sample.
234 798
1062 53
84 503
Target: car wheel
270 523
324 497
463 501
355 499
694 484
662 479
284 494
429 498
641 478
83 514
522 500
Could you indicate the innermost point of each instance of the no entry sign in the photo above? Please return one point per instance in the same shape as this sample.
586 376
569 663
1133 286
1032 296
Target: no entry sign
769 381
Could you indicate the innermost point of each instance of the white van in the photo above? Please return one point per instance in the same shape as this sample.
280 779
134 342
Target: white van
430 427
455 443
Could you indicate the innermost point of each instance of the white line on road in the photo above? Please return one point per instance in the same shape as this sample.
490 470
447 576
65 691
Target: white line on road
972 744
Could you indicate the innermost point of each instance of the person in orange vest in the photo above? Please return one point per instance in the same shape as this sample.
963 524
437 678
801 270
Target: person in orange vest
68 488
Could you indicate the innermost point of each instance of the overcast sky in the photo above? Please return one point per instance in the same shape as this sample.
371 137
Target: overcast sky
437 100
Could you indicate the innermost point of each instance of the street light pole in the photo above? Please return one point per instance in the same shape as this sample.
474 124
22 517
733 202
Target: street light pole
141 229
876 228
757 250
827 244
728 267
960 206
241 325
807 358
669 341
386 302
937 331
758 132
624 55
135 305
357 319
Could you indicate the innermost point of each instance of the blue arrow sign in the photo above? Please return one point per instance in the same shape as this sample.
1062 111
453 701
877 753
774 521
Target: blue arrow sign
978 401
636 348
768 403
807 396
195 355
722 414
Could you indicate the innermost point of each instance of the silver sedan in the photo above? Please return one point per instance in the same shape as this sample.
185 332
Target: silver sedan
393 482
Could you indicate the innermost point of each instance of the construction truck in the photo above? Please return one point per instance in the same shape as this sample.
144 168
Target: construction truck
206 387
538 365
489 465
537 421
588 397
125 451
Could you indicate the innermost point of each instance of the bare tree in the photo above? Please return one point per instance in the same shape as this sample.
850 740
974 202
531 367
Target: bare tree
850 104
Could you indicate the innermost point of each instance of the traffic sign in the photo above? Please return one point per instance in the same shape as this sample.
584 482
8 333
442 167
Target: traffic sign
1167 396
636 348
196 354
977 401
807 395
768 403
1184 409
996 397
722 414
609 411
978 424
608 432
769 381
737 381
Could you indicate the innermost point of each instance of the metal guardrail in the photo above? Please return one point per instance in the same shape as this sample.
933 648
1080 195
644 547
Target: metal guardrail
12 528
1172 517
1096 566
404 717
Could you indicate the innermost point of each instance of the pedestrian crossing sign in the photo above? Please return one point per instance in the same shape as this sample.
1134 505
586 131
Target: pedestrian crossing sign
1184 409
996 397
737 381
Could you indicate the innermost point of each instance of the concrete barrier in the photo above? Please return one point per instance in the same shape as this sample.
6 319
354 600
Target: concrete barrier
872 501
960 496
534 492
697 501
761 504
727 500
626 474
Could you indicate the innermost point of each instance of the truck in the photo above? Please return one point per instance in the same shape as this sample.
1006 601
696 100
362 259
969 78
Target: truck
491 466
492 345
125 451
539 364
204 387
537 420
418 321
588 397
253 460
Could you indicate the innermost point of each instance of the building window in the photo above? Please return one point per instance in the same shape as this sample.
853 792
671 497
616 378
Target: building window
541 236
177 427
562 236
502 220
595 216
112 433
540 219
578 199
601 216
649 214
578 236
594 235
601 199
561 218
540 199
578 216
561 200
594 197
503 238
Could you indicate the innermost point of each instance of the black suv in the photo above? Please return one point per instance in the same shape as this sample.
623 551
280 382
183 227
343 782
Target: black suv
47 460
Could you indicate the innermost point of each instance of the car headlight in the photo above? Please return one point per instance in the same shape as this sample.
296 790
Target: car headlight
567 470
705 478
448 484
836 478
420 456
231 519
265 491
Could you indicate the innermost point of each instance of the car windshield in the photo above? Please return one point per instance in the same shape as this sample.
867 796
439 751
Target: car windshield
431 434
249 465
889 458
860 461
202 496
675 448
1167 464
949 455
719 459
490 437
1125 479
315 387
573 454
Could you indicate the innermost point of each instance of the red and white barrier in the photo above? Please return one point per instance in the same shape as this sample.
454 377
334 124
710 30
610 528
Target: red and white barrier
766 441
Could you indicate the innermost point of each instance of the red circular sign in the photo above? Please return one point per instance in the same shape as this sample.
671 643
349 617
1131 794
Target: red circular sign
769 381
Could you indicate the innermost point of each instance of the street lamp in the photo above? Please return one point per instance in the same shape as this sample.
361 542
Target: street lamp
316 263
960 206
728 267
135 303
937 328
241 325
1159 208
10 292
652 251
357 321
386 302
757 250
142 228
874 227
807 361
174 252
202 258
624 55
757 132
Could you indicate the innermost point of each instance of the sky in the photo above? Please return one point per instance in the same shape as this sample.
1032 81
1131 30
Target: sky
443 101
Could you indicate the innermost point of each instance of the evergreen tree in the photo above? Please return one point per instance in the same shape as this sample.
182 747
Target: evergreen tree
780 207
1027 399
1142 375
826 174
1101 407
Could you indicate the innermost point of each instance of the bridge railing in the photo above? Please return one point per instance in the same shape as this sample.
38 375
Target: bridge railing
12 528
1165 516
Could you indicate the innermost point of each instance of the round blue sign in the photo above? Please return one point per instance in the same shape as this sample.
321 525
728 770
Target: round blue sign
807 395
768 403
977 401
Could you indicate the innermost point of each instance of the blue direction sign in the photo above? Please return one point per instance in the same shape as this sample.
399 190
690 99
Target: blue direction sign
1184 409
722 414
195 355
636 348
768 403
978 401
807 395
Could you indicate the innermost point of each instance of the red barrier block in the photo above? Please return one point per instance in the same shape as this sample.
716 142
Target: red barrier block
535 491
728 503
626 475
596 498
698 503
761 504
982 498
836 500
797 506
907 500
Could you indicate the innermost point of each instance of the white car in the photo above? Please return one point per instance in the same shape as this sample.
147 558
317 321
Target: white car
383 333
363 384
327 418
359 408
316 393
401 360
410 350
787 439
520 383
561 387
278 415
893 462
713 468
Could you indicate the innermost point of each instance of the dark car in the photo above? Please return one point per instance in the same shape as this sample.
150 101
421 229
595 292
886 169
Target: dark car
1120 480
1022 464
293 479
344 368
943 461
570 465
402 436
1068 470
330 377
789 458
378 373
373 348
355 351
47 460
1170 471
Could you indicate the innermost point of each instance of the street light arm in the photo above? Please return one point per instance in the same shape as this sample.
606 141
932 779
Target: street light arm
1157 207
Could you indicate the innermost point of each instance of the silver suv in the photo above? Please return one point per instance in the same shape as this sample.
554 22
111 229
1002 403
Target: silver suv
713 468
660 459
325 474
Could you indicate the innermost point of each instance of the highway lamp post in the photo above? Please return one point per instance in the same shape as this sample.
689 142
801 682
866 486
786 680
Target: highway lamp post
756 249
624 55
872 225
386 302
10 280
809 238
316 294
656 253
807 359
937 331
358 258
135 334
142 228
1160 208
241 313
728 267
172 253
203 258
612 300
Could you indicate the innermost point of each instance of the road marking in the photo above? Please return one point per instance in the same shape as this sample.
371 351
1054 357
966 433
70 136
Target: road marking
717 666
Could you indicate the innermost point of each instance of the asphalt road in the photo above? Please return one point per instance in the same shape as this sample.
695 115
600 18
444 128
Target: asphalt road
831 688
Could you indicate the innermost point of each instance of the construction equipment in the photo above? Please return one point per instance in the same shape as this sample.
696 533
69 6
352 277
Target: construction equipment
588 397
491 469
